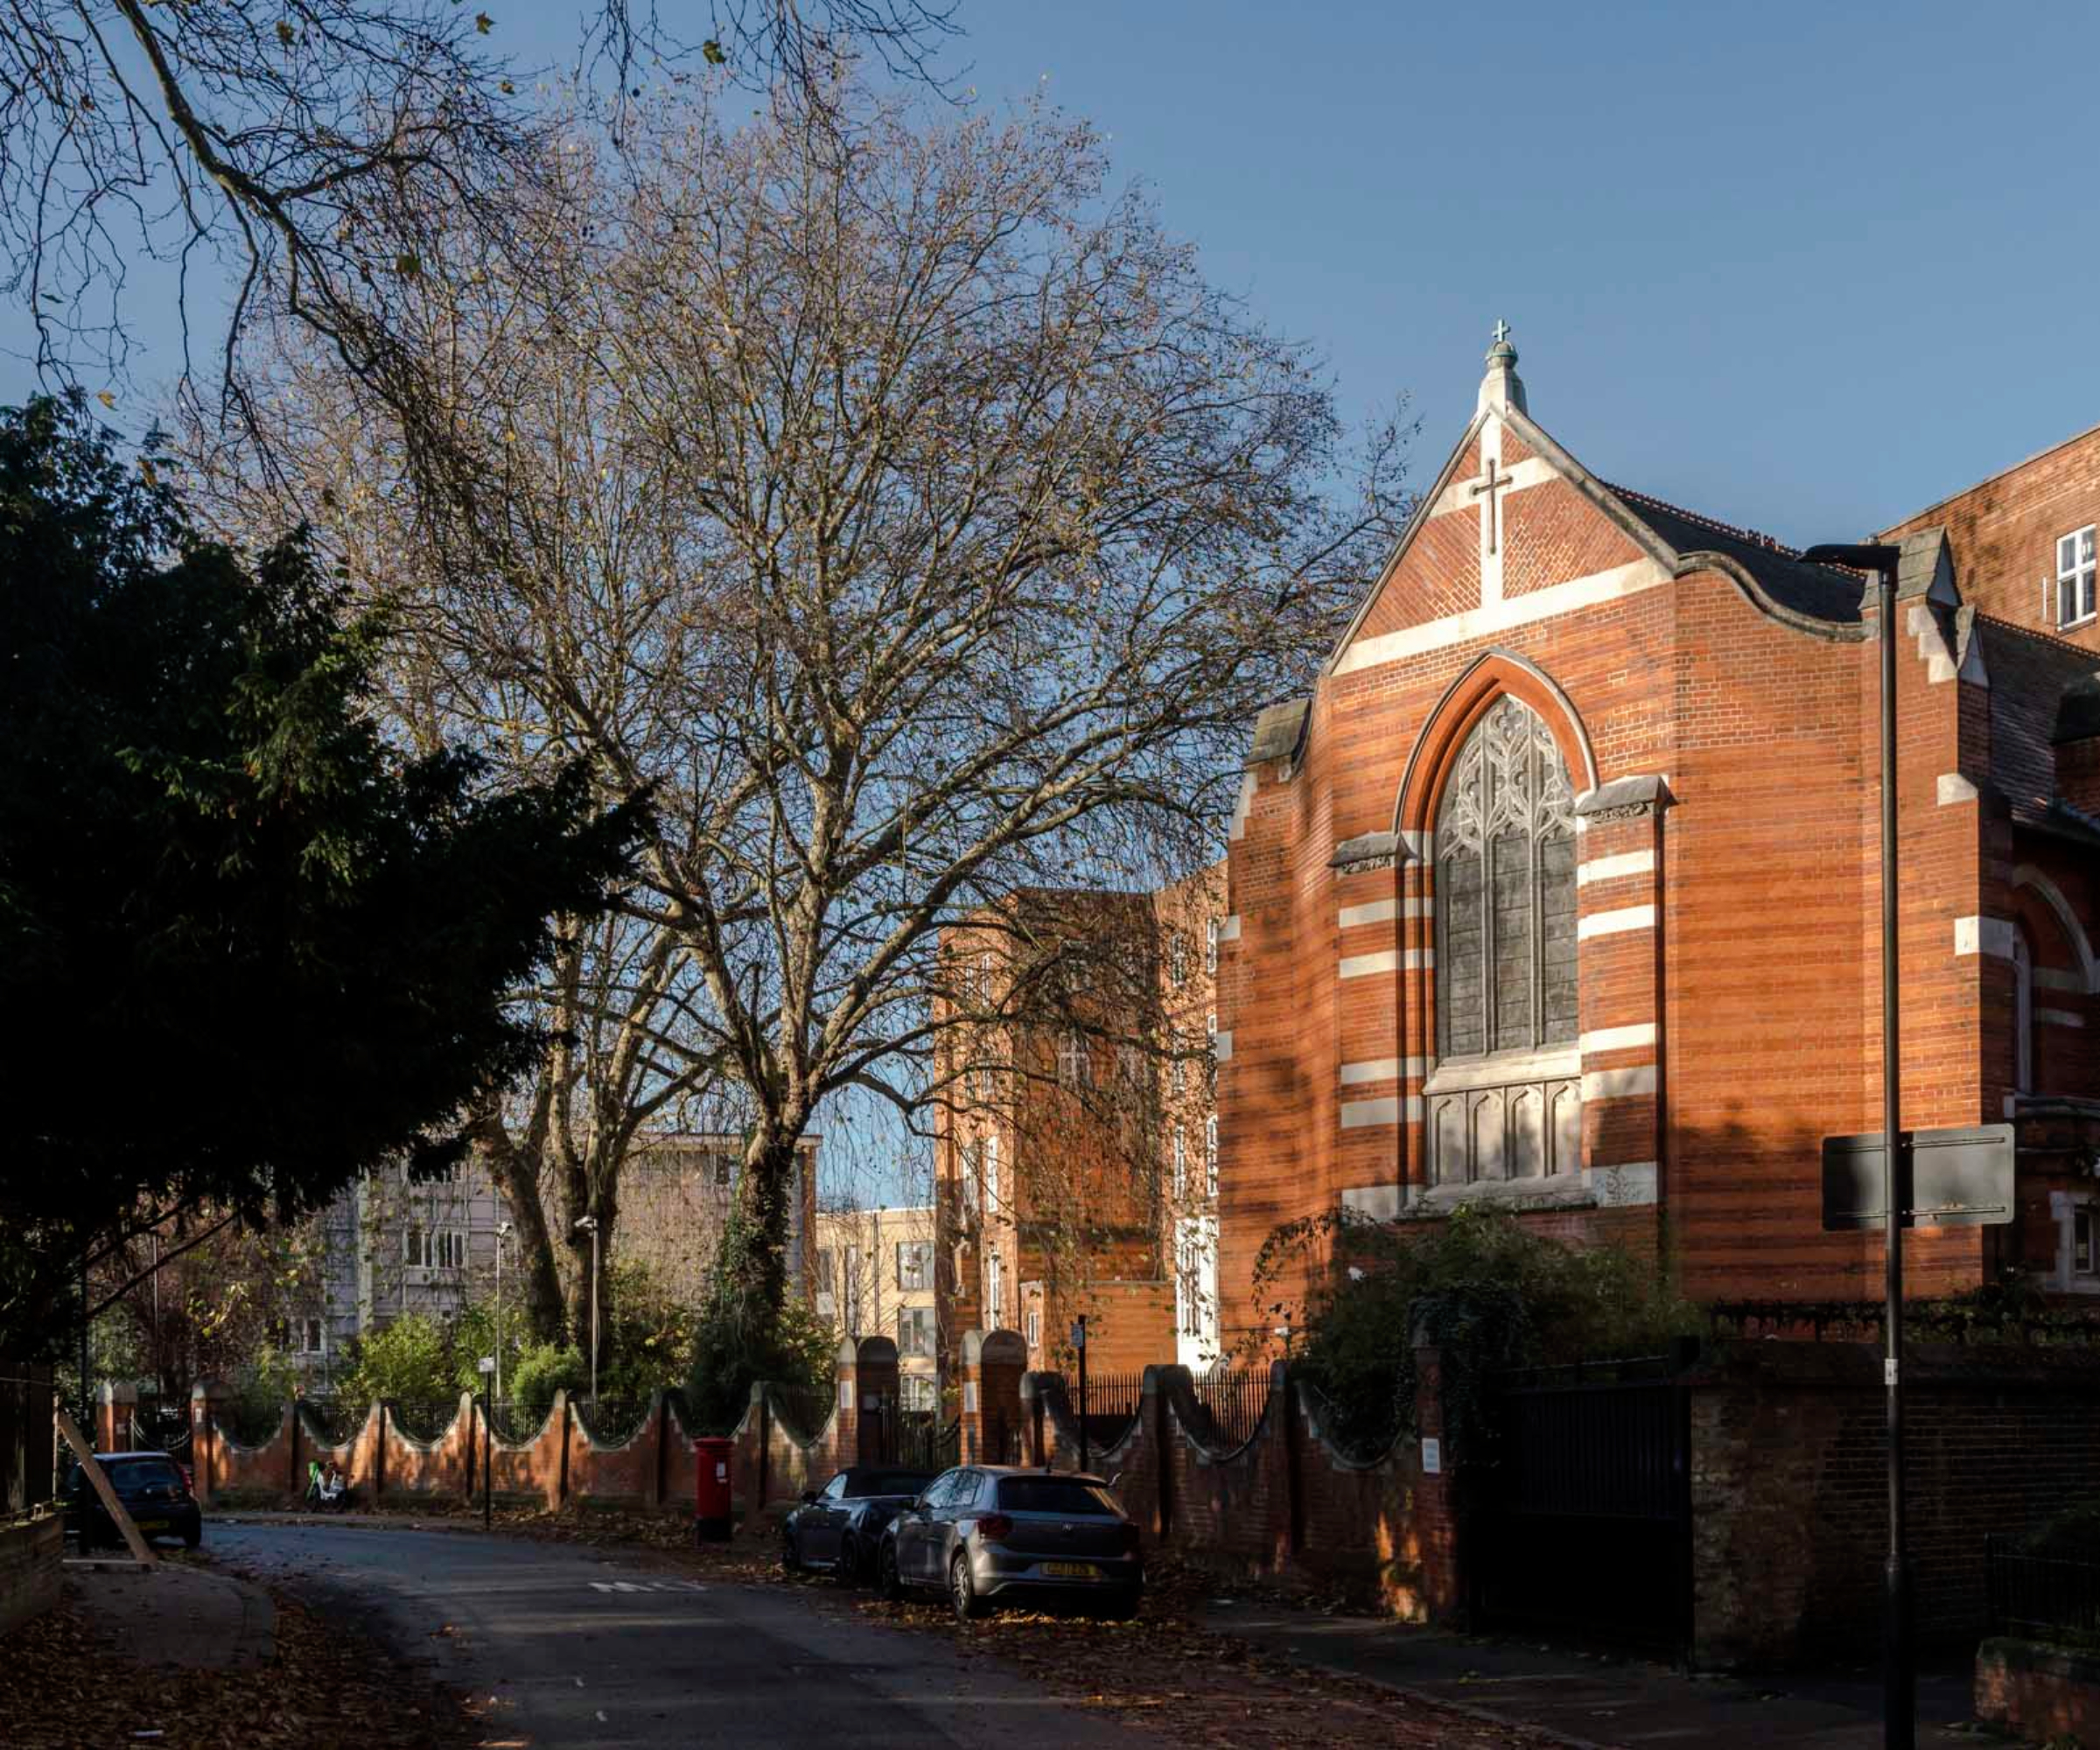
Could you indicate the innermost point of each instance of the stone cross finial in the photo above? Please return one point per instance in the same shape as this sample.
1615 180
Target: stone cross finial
1502 331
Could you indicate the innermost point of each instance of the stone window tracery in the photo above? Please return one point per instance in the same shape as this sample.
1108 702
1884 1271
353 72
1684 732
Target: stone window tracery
1506 892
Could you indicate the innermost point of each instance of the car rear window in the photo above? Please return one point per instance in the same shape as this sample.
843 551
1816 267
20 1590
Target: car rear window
1053 1494
143 1473
889 1482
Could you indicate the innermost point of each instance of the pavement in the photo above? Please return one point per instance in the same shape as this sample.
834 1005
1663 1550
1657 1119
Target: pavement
172 1613
1591 1700
604 1647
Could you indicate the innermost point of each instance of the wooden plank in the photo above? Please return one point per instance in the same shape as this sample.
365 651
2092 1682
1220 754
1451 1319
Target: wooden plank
140 1550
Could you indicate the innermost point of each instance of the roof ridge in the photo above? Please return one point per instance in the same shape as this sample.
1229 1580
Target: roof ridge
1754 537
2045 637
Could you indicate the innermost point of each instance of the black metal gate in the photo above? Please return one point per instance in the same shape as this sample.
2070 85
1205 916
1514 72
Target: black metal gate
1582 1511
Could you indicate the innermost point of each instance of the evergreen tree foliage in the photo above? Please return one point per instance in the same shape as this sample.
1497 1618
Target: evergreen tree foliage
251 948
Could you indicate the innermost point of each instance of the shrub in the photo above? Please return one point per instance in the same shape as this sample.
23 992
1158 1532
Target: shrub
541 1370
411 1358
1488 1290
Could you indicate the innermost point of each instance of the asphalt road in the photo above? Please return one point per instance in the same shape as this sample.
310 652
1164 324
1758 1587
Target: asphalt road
589 1646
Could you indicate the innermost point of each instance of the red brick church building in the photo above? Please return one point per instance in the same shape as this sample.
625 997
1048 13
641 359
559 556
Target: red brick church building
1561 889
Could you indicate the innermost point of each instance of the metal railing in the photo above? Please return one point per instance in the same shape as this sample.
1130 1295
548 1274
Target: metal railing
1236 1403
1112 1402
2053 1597
1362 1426
334 1421
422 1419
802 1413
613 1421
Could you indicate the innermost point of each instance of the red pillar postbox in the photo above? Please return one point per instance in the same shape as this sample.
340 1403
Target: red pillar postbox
713 1455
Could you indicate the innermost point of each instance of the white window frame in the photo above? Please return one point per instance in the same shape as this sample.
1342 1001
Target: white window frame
1210 1156
985 1086
995 1285
1177 1075
416 1249
1213 936
1181 1164
973 1176
1035 1328
1177 960
991 1171
916 1391
1074 1061
917 1277
451 1249
918 1321
2077 577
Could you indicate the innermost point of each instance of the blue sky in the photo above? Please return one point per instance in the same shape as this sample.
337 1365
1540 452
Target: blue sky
1807 268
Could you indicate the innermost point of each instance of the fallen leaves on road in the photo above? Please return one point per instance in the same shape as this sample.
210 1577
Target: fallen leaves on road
1163 1673
326 1685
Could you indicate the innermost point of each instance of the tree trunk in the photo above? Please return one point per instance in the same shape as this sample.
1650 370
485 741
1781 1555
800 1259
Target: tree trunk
516 1171
761 1269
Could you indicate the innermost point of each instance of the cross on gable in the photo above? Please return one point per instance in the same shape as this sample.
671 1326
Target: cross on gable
1490 483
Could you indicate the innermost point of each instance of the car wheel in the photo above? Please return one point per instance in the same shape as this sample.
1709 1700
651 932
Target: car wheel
963 1590
846 1568
192 1534
791 1557
888 1581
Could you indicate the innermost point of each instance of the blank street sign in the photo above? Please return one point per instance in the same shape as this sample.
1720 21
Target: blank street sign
1958 1177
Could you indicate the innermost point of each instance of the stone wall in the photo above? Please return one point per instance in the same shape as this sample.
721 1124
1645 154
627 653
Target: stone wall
1789 1488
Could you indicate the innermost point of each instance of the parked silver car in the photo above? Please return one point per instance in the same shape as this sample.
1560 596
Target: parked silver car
988 1534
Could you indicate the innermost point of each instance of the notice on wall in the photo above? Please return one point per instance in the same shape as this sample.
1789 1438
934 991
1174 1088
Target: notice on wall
969 1396
845 1394
1432 1456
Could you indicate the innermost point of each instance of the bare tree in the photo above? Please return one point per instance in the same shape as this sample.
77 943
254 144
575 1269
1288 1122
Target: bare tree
903 507
272 142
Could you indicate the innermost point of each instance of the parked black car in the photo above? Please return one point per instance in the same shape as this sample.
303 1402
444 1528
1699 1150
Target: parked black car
839 1528
991 1534
154 1491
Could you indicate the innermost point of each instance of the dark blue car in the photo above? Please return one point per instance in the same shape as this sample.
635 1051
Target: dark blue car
839 1527
153 1490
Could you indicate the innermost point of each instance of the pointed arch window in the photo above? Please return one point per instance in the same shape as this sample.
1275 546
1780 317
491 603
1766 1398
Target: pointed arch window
1505 851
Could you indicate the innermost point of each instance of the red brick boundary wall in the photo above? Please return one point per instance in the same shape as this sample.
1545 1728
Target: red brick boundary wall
31 1550
1789 1488
1288 1501
654 1469
2040 1692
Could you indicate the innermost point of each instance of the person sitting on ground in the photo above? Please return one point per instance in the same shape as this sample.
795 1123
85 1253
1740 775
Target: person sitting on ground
335 1487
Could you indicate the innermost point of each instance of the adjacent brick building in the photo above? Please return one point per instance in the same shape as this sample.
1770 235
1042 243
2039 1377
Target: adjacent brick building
1076 1138
1561 889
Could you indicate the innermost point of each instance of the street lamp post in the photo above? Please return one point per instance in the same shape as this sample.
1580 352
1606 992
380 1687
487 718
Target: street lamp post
588 1224
1898 1701
503 1234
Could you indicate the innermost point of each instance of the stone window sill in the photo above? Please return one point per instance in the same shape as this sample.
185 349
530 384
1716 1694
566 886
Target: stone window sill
1561 1063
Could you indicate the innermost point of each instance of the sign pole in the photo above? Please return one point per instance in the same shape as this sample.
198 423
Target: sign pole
1898 1701
1897 1705
1079 1341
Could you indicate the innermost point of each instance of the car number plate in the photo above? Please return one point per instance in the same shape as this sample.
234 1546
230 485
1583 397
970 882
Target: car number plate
1071 1571
152 1524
